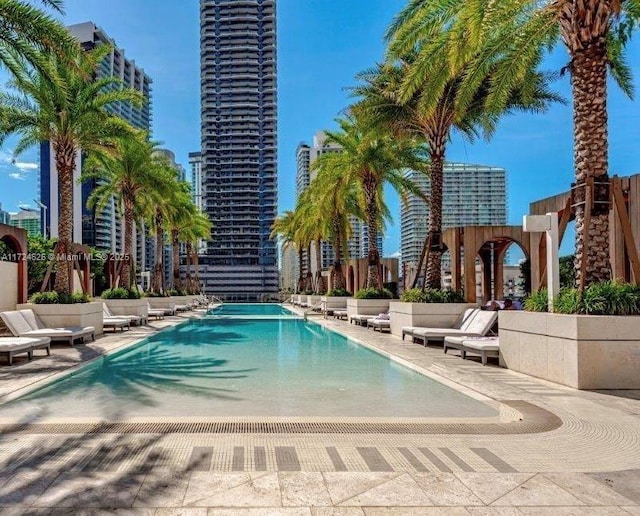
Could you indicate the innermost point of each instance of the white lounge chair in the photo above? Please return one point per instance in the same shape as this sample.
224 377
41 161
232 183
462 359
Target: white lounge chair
135 320
168 310
360 319
25 323
156 313
465 318
483 346
340 314
478 326
11 346
379 323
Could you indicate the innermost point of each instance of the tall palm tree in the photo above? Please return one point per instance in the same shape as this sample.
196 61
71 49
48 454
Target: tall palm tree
312 225
197 230
372 157
286 226
27 31
517 33
336 200
128 174
67 107
431 115
180 215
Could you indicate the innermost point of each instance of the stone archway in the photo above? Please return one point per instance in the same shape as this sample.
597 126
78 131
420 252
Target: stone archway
16 242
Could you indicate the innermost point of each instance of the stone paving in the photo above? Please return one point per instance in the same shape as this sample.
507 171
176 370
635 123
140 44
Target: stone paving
588 463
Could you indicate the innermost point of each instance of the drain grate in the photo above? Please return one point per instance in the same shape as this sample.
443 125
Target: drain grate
535 420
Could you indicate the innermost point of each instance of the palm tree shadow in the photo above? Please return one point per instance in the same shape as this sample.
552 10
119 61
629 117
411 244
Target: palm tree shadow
142 377
91 470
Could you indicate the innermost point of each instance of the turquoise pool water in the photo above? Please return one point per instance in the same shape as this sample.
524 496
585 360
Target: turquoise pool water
249 309
242 367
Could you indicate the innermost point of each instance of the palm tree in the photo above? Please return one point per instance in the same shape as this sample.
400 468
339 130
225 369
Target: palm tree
312 226
431 115
67 107
27 31
180 215
128 174
516 33
336 201
286 226
370 158
198 229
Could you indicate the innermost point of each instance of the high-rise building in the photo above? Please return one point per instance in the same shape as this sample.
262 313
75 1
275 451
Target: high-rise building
473 195
28 220
102 230
5 217
239 146
195 162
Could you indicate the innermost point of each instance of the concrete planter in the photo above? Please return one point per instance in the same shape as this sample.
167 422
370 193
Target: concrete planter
138 307
580 351
334 302
300 298
433 315
180 300
79 314
367 306
162 302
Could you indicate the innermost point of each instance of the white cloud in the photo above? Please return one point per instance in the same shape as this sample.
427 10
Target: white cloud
17 175
22 165
397 254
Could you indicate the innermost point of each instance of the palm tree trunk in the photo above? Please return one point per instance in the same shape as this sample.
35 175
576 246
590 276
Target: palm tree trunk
156 284
371 209
338 280
589 85
128 245
65 156
308 286
175 250
433 276
300 266
319 279
188 279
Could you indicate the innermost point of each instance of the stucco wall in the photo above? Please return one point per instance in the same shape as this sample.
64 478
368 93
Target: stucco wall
9 290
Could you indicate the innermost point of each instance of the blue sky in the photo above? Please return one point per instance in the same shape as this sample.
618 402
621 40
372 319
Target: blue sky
322 44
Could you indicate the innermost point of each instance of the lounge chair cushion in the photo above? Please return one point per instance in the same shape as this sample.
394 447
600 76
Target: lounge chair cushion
379 322
16 322
18 343
482 343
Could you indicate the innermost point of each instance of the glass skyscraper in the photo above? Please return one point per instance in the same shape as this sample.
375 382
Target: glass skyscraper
239 139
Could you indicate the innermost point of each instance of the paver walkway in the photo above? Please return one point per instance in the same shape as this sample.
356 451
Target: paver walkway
587 462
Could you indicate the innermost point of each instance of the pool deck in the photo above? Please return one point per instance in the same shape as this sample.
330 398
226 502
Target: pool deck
580 454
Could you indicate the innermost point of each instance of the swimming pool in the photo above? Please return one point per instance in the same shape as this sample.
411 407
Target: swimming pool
249 309
219 366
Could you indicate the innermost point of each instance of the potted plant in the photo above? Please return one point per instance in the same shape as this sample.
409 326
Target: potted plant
335 299
437 308
590 341
58 310
123 301
369 301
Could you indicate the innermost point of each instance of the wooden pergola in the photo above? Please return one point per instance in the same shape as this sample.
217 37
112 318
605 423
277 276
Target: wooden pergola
16 240
624 226
489 244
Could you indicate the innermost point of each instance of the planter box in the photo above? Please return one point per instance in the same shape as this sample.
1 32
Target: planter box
162 302
180 300
79 314
367 306
432 315
300 298
580 351
138 307
334 302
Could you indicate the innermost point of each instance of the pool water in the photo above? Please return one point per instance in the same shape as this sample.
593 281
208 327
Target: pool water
249 309
242 367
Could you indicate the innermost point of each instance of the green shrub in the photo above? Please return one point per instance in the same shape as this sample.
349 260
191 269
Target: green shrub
177 292
53 298
120 293
429 295
373 293
605 298
391 286
339 292
536 301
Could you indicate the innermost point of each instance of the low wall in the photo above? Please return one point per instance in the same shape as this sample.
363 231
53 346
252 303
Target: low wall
9 290
432 315
580 351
